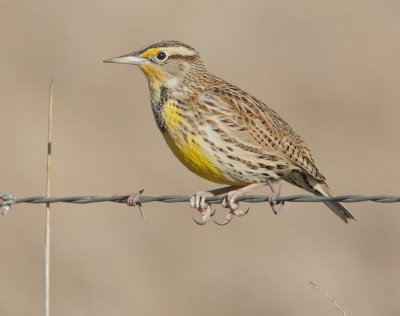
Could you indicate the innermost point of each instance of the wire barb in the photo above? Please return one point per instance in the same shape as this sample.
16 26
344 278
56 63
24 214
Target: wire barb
133 201
6 200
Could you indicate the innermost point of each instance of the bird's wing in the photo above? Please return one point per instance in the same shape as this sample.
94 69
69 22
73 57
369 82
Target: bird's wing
254 122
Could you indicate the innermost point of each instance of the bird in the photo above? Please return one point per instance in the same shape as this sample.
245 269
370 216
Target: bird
222 133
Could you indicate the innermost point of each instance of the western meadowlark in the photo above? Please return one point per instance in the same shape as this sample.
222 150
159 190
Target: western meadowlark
222 133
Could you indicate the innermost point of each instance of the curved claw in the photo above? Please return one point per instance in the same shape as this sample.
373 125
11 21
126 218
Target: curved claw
241 213
276 210
273 203
227 219
230 216
207 214
199 221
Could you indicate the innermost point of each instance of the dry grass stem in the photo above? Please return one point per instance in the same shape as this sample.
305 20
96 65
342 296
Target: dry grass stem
332 299
47 229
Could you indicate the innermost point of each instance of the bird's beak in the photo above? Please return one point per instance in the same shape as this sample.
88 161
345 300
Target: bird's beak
128 59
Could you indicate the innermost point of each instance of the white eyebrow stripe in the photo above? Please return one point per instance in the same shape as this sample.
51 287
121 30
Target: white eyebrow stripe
183 51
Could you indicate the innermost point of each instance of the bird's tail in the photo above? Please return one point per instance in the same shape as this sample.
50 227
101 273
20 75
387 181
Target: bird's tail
323 190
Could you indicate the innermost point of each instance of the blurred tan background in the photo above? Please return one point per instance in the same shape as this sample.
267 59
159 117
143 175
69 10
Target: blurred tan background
330 68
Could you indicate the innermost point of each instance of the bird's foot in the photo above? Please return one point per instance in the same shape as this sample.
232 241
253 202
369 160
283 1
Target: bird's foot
275 205
276 187
229 202
198 201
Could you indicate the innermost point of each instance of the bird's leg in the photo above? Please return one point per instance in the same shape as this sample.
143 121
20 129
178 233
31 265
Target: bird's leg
198 201
276 186
229 201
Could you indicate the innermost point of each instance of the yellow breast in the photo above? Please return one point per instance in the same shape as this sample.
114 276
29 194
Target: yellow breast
189 148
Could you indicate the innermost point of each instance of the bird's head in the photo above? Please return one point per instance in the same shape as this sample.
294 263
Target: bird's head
164 63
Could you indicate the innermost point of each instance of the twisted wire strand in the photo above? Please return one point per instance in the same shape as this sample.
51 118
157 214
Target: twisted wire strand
6 199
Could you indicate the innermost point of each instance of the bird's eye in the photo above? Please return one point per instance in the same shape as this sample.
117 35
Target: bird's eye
161 56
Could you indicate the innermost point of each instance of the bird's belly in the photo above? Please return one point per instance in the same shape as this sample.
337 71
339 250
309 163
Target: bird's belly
188 146
188 149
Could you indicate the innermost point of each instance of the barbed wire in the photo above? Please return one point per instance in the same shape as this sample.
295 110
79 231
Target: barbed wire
7 200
